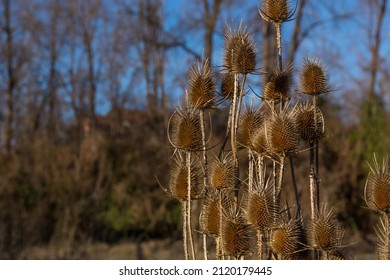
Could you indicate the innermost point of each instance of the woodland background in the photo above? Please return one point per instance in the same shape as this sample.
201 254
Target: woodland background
87 89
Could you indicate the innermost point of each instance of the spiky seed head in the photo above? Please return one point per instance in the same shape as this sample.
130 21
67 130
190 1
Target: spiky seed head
259 141
276 11
377 190
260 209
339 254
310 122
211 213
227 85
286 239
325 232
222 173
201 86
313 79
282 133
250 121
239 51
236 236
186 127
277 86
178 183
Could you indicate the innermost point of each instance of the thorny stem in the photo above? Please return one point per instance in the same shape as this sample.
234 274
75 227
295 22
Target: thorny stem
232 123
386 218
278 28
260 169
189 228
250 170
228 128
185 243
275 190
222 256
280 182
202 123
317 189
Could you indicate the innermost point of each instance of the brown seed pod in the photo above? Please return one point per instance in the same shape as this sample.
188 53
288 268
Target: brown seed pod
201 86
236 236
310 122
227 85
260 210
259 141
250 121
326 233
186 127
222 173
282 133
211 214
277 87
239 51
377 189
178 183
286 239
276 11
313 79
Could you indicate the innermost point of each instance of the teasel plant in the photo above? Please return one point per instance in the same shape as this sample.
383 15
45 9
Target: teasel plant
223 176
260 210
377 198
183 134
326 235
201 96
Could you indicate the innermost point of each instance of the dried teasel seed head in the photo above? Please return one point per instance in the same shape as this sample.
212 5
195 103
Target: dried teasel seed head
282 133
239 51
277 87
339 254
178 183
236 236
258 142
211 213
260 209
326 233
310 122
186 127
377 189
227 85
313 80
276 11
250 121
222 173
201 86
286 239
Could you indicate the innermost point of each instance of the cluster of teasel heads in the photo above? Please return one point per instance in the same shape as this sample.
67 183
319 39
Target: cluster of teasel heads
243 213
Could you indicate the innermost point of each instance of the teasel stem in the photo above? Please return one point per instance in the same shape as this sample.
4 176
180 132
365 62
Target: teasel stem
222 253
189 228
295 188
275 193
312 182
386 218
185 242
218 248
316 153
260 169
250 170
233 131
202 124
278 27
281 175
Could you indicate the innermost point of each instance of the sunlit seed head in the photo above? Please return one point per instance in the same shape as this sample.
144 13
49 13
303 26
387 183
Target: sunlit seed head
250 122
186 127
178 183
236 237
313 79
377 190
277 87
239 51
222 174
201 86
227 85
286 239
276 11
310 122
211 213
